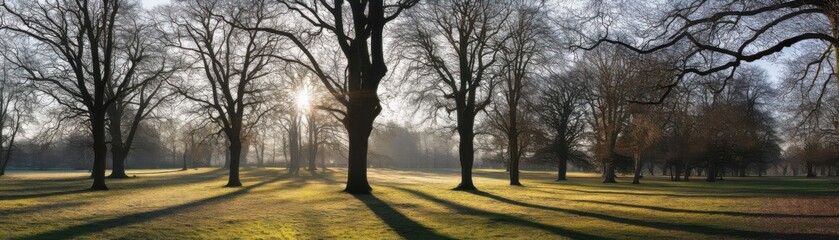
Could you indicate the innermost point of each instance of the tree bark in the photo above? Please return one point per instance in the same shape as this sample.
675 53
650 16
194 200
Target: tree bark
118 150
100 149
294 146
466 151
313 144
562 167
513 142
361 113
637 178
235 157
8 151
713 169
227 153
609 171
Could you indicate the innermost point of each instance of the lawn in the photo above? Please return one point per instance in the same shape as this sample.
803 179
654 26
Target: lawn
171 204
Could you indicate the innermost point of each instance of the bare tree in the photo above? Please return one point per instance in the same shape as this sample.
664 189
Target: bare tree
722 35
610 75
561 115
71 58
16 105
231 61
146 67
457 44
358 32
528 45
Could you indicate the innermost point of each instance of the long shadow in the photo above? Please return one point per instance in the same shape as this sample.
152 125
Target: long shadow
156 172
700 229
503 217
642 193
404 226
93 227
728 213
40 195
146 184
41 208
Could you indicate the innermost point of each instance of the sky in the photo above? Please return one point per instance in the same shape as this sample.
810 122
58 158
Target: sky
152 3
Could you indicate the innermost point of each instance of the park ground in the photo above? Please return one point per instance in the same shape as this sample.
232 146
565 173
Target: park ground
414 204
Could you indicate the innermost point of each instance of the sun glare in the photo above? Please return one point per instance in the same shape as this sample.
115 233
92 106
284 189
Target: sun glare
303 100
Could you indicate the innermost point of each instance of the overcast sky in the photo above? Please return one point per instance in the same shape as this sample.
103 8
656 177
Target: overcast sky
151 3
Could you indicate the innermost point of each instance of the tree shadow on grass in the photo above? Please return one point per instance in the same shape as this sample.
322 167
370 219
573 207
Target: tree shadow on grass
37 190
404 226
642 193
155 172
98 226
40 195
729 213
699 229
41 208
502 217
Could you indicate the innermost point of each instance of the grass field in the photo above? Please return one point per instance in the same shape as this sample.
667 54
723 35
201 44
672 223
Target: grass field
170 204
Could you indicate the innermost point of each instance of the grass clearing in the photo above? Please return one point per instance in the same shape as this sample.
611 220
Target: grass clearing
171 204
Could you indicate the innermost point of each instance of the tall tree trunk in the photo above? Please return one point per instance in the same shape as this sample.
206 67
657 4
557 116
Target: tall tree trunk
227 153
294 146
712 172
118 150
513 144
637 178
609 170
185 156
8 151
260 153
562 167
100 149
361 113
313 144
235 157
466 151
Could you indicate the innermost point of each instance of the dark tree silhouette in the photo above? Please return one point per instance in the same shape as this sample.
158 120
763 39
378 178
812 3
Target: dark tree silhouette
457 43
146 66
561 111
232 61
79 39
358 31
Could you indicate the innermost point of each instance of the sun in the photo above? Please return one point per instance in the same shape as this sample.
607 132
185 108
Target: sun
303 100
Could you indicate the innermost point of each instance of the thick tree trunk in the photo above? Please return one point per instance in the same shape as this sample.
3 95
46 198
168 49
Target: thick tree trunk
100 150
514 156
8 151
313 146
185 165
118 150
294 148
609 171
562 167
712 172
513 146
227 154
637 178
118 168
467 152
235 157
361 113
811 173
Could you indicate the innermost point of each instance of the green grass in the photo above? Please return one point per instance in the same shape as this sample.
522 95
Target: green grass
161 204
